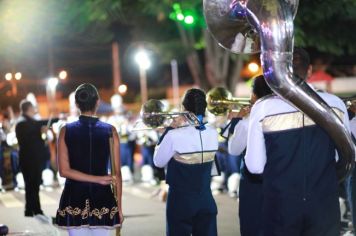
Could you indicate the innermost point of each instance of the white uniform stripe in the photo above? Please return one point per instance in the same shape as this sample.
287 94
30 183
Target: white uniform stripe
287 121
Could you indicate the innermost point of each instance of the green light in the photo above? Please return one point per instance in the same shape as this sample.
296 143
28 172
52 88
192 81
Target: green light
180 17
173 16
176 6
189 20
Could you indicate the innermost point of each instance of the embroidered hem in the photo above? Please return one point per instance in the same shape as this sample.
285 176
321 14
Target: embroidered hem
89 226
86 212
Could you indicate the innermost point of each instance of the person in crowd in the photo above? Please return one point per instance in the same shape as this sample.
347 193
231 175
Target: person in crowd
188 153
148 139
351 181
250 190
229 165
2 142
88 205
320 74
121 122
32 155
9 145
297 159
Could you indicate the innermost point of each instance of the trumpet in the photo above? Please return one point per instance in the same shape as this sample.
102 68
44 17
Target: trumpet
220 101
154 116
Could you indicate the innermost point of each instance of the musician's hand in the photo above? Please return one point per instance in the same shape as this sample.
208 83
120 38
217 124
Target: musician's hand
177 122
104 180
232 115
244 111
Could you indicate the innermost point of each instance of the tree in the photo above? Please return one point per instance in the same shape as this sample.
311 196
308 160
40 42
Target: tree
325 25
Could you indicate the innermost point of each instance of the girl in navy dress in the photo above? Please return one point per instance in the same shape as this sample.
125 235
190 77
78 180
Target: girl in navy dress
88 205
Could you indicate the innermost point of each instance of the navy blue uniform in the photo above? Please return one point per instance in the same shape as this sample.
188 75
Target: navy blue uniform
189 155
297 159
250 190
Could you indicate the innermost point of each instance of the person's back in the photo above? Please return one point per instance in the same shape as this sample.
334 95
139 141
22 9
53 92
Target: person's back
90 203
88 145
300 155
189 153
28 133
300 185
190 167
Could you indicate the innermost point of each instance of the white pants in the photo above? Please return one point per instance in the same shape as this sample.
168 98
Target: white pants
88 232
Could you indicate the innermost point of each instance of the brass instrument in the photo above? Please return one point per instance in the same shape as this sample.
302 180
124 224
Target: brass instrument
220 101
113 174
154 116
249 26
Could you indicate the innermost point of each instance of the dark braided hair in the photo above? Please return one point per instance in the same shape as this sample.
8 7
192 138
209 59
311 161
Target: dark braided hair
86 97
195 101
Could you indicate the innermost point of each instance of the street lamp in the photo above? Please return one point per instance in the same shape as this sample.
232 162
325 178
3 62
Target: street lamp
12 79
51 93
144 63
8 76
52 84
18 76
63 75
122 89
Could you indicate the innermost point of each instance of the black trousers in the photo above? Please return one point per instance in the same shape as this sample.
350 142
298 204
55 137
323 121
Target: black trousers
250 207
295 217
32 174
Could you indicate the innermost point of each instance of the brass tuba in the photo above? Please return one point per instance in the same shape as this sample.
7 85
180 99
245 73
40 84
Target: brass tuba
247 26
220 101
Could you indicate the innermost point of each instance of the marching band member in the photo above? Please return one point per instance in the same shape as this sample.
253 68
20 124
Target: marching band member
219 183
250 190
297 159
147 139
32 155
351 182
188 153
88 205
122 125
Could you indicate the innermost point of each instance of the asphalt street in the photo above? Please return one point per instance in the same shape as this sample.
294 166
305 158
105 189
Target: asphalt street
144 213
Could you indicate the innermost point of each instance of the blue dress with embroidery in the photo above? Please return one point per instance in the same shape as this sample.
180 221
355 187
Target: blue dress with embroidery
85 204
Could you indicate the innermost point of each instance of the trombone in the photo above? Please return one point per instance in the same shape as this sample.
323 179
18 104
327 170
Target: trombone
154 116
220 101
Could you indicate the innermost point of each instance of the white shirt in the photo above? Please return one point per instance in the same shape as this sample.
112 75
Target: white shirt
185 140
256 150
238 141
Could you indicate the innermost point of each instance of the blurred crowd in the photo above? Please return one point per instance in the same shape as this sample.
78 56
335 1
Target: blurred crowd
137 144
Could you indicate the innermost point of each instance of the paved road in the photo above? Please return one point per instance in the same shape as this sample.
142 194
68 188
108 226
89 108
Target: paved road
145 215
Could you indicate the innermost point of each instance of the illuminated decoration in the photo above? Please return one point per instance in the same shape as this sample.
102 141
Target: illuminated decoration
189 19
185 16
253 67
